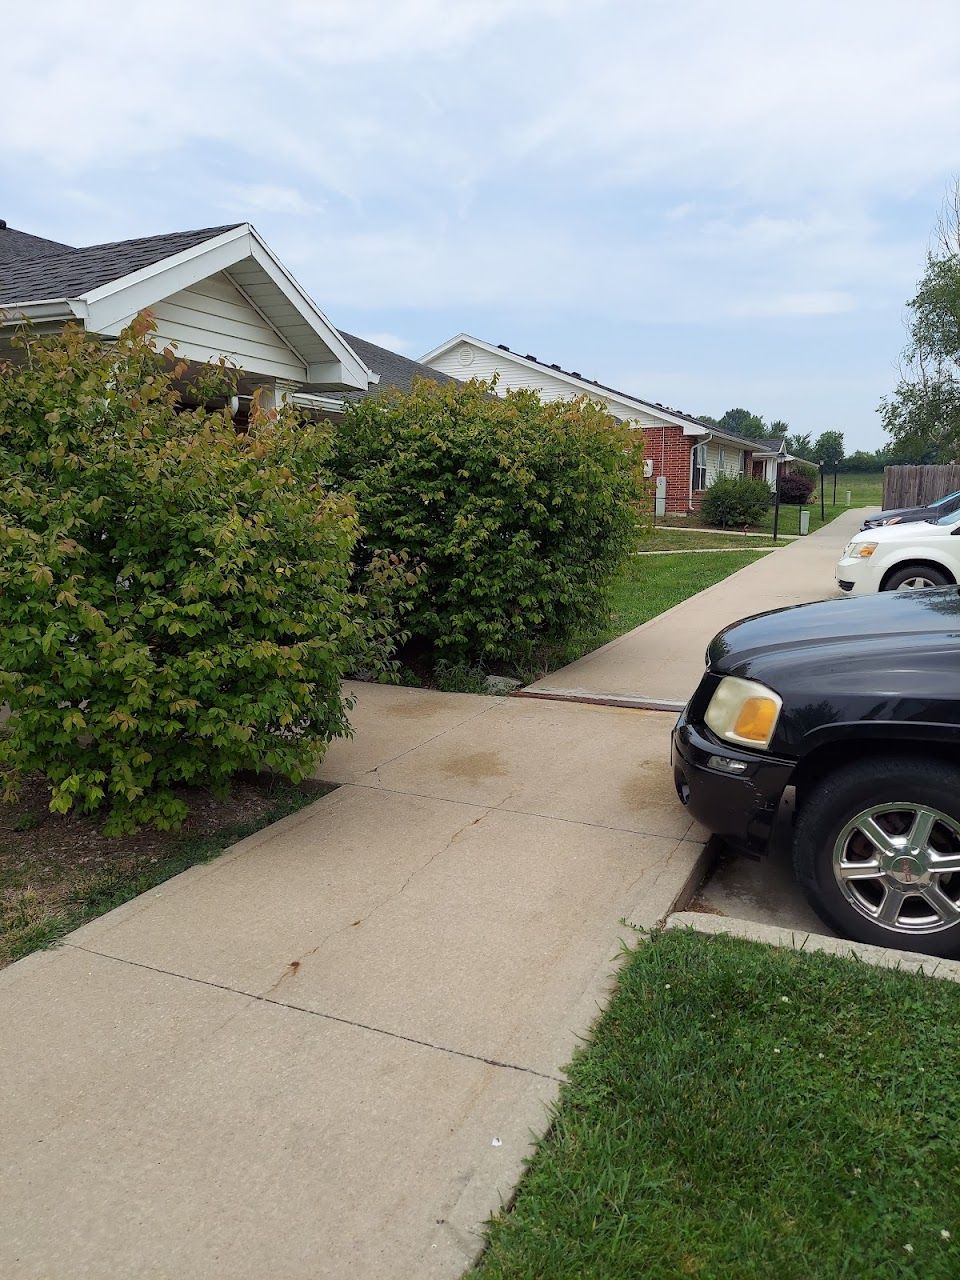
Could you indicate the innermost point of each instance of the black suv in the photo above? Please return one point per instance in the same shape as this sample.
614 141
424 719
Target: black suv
856 704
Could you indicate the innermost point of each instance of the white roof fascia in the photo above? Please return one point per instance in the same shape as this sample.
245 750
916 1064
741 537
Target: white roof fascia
110 305
361 377
586 388
739 443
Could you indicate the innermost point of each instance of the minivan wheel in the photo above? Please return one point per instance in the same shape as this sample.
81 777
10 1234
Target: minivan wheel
914 577
877 852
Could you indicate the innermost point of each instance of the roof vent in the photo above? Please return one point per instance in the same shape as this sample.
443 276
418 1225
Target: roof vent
3 224
556 366
502 346
575 374
528 356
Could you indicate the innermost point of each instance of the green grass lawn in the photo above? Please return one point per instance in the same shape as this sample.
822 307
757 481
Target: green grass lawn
866 490
647 586
668 539
744 1113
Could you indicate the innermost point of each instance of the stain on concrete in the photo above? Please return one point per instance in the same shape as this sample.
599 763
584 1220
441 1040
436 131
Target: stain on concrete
415 709
476 766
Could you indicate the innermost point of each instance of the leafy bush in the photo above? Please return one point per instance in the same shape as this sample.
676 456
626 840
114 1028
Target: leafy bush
796 488
174 595
519 511
734 501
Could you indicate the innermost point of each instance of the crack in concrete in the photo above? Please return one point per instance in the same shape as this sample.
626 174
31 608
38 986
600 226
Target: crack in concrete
294 965
318 1013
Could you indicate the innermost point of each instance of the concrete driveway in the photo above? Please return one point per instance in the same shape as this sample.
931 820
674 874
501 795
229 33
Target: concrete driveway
324 1053
662 660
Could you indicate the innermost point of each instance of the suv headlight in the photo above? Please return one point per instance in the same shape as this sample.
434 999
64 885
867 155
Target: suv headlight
744 712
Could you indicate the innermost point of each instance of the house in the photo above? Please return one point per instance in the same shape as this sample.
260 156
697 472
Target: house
684 454
219 291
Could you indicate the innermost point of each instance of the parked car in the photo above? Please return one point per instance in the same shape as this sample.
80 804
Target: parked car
908 515
902 556
856 704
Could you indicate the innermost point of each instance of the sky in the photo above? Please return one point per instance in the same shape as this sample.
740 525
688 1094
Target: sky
703 204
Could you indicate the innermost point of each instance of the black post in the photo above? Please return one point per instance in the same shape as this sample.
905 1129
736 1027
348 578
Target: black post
834 486
822 515
776 500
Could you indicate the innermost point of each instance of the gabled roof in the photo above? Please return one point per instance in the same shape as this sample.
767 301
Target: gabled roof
588 386
55 272
394 370
105 285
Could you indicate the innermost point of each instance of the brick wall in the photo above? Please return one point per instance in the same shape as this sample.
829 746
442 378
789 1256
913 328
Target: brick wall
669 451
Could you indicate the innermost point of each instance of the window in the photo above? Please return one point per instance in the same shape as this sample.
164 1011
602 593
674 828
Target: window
721 458
698 459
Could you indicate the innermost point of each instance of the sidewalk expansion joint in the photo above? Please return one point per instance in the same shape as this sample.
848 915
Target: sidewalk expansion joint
634 702
317 1013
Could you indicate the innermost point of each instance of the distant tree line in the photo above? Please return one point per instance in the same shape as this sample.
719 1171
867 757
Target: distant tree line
828 446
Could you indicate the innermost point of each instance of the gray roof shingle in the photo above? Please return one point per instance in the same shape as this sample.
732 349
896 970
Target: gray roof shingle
38 275
394 370
17 245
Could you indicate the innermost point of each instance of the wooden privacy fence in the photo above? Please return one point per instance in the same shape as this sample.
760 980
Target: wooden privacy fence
916 486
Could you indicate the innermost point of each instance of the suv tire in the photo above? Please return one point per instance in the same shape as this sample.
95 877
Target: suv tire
900 818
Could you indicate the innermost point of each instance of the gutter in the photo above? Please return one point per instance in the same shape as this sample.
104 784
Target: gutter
42 310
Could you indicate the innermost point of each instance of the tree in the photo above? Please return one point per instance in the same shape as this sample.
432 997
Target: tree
923 415
174 594
829 449
743 423
800 445
779 430
707 420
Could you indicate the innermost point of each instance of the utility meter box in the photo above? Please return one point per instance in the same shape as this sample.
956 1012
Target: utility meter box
660 504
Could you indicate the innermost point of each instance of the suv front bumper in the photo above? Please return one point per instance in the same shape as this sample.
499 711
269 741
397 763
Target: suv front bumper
734 794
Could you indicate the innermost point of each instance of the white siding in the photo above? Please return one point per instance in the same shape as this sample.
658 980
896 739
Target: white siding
212 319
732 460
515 376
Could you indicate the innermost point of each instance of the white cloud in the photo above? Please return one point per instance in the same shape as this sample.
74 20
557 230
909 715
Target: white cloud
392 341
270 199
588 162
825 303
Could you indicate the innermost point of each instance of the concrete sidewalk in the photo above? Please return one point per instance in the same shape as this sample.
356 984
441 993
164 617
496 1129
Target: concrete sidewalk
662 660
323 1054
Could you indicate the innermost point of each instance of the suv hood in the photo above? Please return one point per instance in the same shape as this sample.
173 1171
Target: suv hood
892 636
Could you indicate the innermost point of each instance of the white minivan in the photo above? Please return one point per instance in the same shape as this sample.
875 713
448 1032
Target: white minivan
900 557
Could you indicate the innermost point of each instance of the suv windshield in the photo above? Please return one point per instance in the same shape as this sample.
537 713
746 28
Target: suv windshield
952 516
952 500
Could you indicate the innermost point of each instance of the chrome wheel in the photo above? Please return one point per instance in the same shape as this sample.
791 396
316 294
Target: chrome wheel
917 583
899 866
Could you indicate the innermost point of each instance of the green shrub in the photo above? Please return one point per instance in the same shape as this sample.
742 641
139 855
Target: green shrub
735 501
796 488
519 511
174 595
